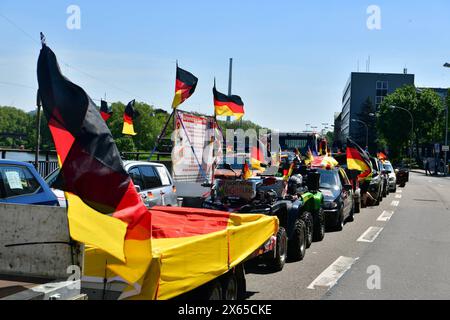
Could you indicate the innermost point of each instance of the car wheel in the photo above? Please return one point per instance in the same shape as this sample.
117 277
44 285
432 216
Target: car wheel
230 288
340 223
277 264
309 222
319 226
214 291
297 243
358 206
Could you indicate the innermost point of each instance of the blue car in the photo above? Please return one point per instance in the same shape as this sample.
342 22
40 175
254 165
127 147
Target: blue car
20 183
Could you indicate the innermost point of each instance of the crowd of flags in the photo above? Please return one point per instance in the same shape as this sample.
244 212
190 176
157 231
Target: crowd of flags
185 86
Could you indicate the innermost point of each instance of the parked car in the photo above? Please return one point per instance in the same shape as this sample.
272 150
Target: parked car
377 182
152 180
385 178
338 198
20 183
392 177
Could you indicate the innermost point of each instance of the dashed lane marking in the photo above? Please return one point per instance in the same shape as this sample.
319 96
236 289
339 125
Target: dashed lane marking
399 191
330 277
395 203
370 235
398 196
385 216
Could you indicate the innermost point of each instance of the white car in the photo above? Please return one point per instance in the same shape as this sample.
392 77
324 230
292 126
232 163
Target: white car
392 177
152 180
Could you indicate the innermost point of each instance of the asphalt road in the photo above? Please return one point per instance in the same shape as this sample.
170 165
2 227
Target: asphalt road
398 250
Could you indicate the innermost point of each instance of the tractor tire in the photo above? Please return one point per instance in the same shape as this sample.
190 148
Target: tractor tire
319 226
277 263
309 222
297 243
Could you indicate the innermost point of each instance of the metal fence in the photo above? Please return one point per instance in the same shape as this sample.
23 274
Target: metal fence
45 167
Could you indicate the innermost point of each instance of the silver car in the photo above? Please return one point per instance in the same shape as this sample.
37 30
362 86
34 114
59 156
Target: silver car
152 180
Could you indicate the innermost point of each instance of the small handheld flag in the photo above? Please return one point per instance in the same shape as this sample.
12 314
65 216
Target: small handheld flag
185 86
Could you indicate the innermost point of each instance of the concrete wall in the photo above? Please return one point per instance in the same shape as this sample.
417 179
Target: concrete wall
26 224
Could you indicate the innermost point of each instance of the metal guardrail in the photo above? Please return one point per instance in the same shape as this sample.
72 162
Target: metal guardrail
45 167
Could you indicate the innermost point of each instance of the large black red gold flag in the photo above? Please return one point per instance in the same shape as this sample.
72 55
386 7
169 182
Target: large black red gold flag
104 209
357 158
185 86
228 105
129 116
105 111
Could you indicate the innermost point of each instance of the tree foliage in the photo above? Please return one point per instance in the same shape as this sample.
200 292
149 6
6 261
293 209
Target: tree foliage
148 126
394 125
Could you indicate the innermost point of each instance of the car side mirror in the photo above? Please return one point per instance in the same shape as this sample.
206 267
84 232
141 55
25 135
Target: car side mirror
138 189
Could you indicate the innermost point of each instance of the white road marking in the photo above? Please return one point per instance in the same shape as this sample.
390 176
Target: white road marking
395 203
399 191
370 235
329 278
398 196
385 216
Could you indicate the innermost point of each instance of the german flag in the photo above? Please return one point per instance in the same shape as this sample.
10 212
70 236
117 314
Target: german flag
357 158
185 86
104 209
228 105
246 173
105 111
128 118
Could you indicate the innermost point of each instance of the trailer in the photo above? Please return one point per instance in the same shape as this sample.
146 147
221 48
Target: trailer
38 260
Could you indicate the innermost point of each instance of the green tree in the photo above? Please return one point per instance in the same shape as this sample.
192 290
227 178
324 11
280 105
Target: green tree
394 126
14 121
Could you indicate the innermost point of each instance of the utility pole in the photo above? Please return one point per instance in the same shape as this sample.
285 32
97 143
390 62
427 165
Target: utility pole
230 83
38 130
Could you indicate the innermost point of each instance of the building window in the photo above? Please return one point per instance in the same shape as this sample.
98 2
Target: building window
382 92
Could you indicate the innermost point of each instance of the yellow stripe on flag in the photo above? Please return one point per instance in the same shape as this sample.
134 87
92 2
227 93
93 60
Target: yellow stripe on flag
128 129
226 111
355 164
96 229
177 99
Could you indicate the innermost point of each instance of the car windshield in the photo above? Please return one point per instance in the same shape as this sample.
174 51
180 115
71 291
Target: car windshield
328 179
388 167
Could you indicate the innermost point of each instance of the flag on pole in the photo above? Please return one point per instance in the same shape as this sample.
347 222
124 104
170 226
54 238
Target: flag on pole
358 159
228 105
128 119
246 173
105 111
185 86
104 209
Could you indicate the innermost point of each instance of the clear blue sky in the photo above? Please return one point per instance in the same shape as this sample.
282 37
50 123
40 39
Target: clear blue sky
292 58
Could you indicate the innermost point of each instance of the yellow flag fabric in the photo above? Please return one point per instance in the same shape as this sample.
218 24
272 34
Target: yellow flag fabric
180 265
91 227
128 129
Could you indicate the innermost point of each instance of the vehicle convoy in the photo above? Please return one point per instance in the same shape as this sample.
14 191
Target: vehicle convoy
20 183
297 203
152 180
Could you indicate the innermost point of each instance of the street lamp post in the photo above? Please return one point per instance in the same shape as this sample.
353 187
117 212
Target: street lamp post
412 131
447 65
367 131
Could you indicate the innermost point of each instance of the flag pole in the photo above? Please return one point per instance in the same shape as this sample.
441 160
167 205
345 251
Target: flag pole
161 135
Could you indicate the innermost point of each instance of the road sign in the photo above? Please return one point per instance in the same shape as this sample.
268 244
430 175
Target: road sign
445 148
